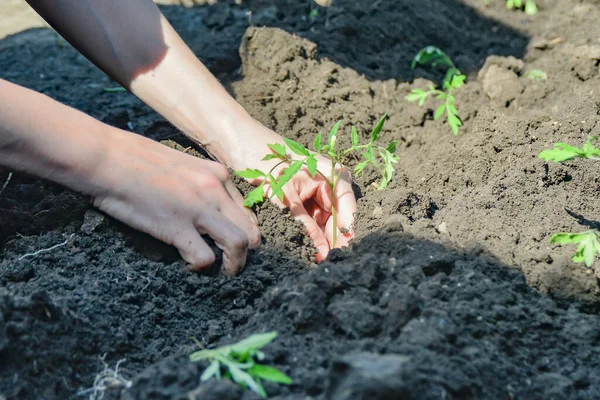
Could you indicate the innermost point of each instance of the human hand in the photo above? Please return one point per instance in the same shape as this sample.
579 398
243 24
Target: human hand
311 201
176 198
309 198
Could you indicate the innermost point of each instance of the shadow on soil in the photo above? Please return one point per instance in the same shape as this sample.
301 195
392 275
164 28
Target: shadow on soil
393 317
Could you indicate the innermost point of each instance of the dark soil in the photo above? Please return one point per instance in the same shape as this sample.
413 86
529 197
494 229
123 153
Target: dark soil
450 290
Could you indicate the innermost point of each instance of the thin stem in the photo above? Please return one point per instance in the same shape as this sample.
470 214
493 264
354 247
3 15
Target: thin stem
332 185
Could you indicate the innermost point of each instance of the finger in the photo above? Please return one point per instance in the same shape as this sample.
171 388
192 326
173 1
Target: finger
228 237
194 250
234 210
317 212
313 230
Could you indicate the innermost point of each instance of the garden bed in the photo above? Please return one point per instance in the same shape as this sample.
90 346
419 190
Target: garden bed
451 289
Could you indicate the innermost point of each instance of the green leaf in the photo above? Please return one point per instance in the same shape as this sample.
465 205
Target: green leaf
392 146
588 245
354 136
297 147
369 155
287 175
311 165
269 374
271 157
213 370
377 130
454 122
278 149
244 379
358 169
564 152
256 341
457 81
417 94
333 135
440 111
251 173
278 193
387 173
531 7
317 143
255 197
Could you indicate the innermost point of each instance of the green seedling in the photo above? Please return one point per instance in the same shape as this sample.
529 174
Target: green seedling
537 75
297 157
588 245
565 152
530 6
453 80
587 242
239 362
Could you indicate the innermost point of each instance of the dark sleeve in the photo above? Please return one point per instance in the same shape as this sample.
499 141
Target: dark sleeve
122 37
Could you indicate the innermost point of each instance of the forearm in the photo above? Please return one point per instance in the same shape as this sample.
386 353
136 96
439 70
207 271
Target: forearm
133 43
45 138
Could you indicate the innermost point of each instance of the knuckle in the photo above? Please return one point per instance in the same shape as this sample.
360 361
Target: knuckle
221 172
254 237
212 181
239 243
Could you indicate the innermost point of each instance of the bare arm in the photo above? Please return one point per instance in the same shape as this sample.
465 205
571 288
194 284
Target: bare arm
133 43
160 191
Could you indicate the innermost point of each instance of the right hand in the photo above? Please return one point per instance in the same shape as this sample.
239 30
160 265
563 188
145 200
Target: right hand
176 198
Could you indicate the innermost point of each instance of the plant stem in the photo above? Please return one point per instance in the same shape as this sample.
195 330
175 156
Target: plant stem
332 185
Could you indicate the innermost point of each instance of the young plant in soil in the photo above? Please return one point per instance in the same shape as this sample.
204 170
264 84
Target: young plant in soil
453 79
587 242
308 159
530 6
239 362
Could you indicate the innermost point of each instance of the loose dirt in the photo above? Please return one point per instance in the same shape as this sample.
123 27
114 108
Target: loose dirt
450 290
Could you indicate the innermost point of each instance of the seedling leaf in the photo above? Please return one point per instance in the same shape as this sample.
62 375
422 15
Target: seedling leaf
317 143
377 130
358 169
279 149
251 173
333 136
271 157
354 136
244 379
565 152
269 374
439 112
392 146
588 245
255 197
213 370
296 147
311 165
286 176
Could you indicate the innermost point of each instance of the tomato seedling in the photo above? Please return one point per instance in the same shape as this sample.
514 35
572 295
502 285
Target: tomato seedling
530 7
587 242
453 79
300 157
565 152
588 245
239 362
